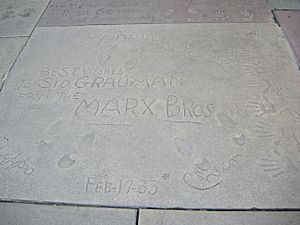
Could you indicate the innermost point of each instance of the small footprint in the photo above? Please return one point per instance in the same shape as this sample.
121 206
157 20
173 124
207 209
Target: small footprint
44 146
58 125
130 64
226 121
183 147
66 161
204 165
193 11
239 139
165 176
169 12
88 138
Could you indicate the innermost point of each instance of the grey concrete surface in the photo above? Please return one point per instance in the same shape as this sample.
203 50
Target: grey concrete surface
284 4
9 50
191 116
289 21
28 214
79 12
154 217
18 17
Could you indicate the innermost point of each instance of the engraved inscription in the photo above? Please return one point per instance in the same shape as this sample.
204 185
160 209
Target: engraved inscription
64 12
14 161
91 11
124 186
12 12
173 108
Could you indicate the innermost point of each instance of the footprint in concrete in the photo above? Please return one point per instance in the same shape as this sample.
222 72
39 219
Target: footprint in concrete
165 176
239 139
66 161
169 12
226 120
56 126
88 138
44 146
130 64
183 147
104 59
193 10
204 165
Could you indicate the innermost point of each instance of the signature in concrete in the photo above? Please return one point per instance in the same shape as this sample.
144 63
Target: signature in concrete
16 161
205 176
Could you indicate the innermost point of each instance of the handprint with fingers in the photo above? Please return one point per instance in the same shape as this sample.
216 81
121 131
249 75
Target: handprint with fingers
278 164
247 15
261 107
3 142
267 130
220 15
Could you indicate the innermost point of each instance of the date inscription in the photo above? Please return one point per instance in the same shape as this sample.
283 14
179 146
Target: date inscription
124 186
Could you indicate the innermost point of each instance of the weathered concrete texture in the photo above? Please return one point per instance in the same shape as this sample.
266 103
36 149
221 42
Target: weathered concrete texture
284 4
289 21
193 115
18 17
154 217
79 12
9 50
27 214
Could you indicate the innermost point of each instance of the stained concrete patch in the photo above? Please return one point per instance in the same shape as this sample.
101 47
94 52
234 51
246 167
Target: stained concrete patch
18 17
27 214
284 4
9 50
289 21
191 116
79 12
153 217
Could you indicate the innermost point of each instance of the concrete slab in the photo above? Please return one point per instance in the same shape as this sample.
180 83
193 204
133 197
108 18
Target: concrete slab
289 21
284 4
27 214
9 50
79 12
193 116
18 17
153 217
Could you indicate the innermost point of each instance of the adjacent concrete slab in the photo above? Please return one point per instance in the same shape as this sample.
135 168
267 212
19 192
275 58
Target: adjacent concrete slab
194 116
27 214
9 50
284 4
79 12
18 17
153 217
289 21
